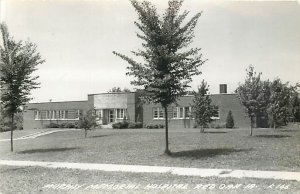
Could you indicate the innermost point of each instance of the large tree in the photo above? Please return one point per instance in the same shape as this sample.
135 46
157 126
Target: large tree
202 106
295 106
18 60
251 95
279 103
168 64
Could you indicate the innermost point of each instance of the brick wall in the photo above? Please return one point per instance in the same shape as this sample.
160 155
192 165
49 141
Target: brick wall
225 102
28 116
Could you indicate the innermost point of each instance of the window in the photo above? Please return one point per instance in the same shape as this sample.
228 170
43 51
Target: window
175 112
158 113
216 116
72 114
120 113
155 113
181 112
36 115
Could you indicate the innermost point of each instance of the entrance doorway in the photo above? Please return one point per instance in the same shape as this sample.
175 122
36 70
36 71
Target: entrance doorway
111 116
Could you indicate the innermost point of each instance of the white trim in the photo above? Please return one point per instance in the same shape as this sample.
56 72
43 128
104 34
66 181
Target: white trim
159 110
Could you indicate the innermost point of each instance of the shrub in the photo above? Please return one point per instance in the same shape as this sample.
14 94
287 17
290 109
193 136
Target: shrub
138 125
161 126
132 126
229 120
116 125
217 125
53 125
154 126
149 126
124 125
63 125
120 125
70 125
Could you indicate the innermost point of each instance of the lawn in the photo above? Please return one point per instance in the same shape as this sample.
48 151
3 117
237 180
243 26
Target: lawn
217 148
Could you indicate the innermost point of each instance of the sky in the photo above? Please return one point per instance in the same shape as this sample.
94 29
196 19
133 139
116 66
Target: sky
77 37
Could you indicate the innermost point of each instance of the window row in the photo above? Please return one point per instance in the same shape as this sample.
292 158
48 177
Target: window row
112 113
178 113
72 114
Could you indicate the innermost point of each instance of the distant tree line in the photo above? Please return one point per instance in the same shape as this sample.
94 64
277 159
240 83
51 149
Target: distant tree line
269 103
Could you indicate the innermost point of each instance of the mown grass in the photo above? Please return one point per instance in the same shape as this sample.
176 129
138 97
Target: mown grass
217 148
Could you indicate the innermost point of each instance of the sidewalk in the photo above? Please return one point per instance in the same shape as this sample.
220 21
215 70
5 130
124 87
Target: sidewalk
201 172
38 134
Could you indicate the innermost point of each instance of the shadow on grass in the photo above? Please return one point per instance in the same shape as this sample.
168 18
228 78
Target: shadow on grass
201 153
96 136
46 150
273 136
214 132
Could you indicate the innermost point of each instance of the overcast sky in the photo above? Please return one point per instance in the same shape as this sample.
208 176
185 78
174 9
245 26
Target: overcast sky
76 38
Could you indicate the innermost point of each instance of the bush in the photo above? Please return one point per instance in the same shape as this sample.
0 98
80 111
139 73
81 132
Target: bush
70 125
161 126
217 125
53 125
154 126
116 125
149 126
120 125
132 126
229 120
63 125
138 125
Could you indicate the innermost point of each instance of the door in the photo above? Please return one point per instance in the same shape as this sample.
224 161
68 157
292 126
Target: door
111 115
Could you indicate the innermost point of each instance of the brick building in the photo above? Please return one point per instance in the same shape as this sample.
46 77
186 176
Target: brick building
116 107
109 108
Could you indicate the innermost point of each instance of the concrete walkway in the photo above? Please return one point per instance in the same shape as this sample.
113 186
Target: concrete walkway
201 172
38 134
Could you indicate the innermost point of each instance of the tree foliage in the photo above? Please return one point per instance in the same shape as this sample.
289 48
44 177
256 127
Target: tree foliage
118 89
252 95
167 66
18 60
268 100
295 106
279 103
87 121
229 120
202 106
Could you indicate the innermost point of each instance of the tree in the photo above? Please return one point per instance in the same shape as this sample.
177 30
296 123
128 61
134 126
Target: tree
87 121
229 120
118 89
18 60
167 69
295 106
279 103
202 107
250 94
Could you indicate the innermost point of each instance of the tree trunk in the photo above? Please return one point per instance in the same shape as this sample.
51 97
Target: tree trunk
201 129
85 133
251 124
167 151
274 125
12 133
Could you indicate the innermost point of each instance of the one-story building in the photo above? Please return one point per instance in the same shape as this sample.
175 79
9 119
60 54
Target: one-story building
110 108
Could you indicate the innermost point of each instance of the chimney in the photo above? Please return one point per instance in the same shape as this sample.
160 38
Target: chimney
223 88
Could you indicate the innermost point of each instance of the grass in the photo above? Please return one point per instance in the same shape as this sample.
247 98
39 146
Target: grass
217 148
